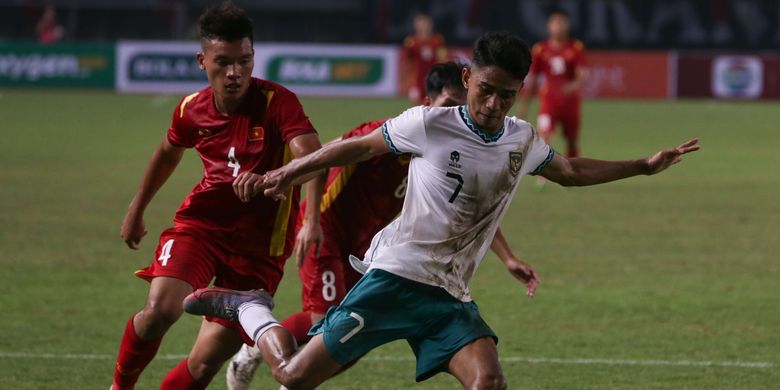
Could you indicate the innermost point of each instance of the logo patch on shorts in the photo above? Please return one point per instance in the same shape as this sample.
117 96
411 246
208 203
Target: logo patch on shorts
515 162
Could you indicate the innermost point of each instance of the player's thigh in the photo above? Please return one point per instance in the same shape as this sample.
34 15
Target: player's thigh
183 254
165 296
476 365
214 345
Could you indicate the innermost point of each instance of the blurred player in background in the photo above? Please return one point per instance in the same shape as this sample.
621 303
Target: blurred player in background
420 52
238 125
416 287
359 201
561 61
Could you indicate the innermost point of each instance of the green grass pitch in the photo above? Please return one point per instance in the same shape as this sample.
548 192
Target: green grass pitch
672 268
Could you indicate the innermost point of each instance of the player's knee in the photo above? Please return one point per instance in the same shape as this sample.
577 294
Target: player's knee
489 381
160 315
203 372
289 378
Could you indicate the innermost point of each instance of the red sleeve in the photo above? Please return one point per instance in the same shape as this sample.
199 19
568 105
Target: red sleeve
579 59
179 134
289 116
363 129
536 59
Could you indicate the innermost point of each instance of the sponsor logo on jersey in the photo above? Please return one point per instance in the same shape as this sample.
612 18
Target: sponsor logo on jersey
515 162
454 159
256 133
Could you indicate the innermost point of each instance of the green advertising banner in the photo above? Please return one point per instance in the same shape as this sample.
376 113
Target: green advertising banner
326 70
77 65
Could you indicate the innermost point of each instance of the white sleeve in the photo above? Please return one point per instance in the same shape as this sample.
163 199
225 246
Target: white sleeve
406 132
539 155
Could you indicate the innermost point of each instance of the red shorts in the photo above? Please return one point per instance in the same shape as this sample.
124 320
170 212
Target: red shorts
327 278
190 255
568 115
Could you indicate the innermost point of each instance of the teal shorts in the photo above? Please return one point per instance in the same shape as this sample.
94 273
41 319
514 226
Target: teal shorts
383 307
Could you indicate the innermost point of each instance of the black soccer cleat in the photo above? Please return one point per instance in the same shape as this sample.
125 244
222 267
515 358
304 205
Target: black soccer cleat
224 303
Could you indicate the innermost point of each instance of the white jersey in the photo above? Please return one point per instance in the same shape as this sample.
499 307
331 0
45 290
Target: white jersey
461 182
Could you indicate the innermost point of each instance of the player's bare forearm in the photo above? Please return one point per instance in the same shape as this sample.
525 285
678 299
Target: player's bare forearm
500 247
585 171
520 270
582 171
314 190
579 80
352 150
162 164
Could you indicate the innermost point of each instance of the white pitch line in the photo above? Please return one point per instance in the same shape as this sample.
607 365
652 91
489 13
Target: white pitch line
507 359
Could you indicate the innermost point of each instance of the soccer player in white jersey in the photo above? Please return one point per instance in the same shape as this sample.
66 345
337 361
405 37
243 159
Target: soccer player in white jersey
466 166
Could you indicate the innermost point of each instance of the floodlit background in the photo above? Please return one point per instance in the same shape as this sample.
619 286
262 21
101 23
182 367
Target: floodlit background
666 282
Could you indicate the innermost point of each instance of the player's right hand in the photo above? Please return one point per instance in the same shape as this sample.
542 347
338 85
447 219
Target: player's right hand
276 183
133 230
247 185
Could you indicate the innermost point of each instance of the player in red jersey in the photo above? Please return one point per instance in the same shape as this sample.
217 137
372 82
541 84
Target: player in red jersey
561 60
238 125
360 199
420 52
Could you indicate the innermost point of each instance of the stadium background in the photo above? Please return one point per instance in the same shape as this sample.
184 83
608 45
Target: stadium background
667 282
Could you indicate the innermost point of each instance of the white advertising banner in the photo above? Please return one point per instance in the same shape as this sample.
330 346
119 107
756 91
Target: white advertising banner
308 70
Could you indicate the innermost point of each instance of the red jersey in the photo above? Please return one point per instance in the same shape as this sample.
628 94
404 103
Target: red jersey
421 54
360 199
559 67
253 139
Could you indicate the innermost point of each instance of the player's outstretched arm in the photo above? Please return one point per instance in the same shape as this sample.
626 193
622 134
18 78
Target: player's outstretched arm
310 235
162 164
520 270
348 151
585 171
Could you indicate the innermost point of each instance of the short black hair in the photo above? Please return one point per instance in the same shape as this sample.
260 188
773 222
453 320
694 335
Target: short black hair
226 22
559 12
443 75
504 50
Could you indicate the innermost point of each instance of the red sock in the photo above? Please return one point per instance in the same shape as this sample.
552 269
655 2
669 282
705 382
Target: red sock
134 355
180 378
299 324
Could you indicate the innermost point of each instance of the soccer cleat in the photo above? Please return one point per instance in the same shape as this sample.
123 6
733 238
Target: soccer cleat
242 368
224 303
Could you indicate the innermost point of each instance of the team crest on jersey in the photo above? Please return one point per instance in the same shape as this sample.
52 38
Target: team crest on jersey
515 162
256 133
204 132
454 158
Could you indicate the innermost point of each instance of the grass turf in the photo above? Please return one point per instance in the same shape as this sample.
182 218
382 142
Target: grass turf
681 266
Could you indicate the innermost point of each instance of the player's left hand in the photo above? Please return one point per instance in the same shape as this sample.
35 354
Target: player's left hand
524 273
668 157
246 185
309 238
